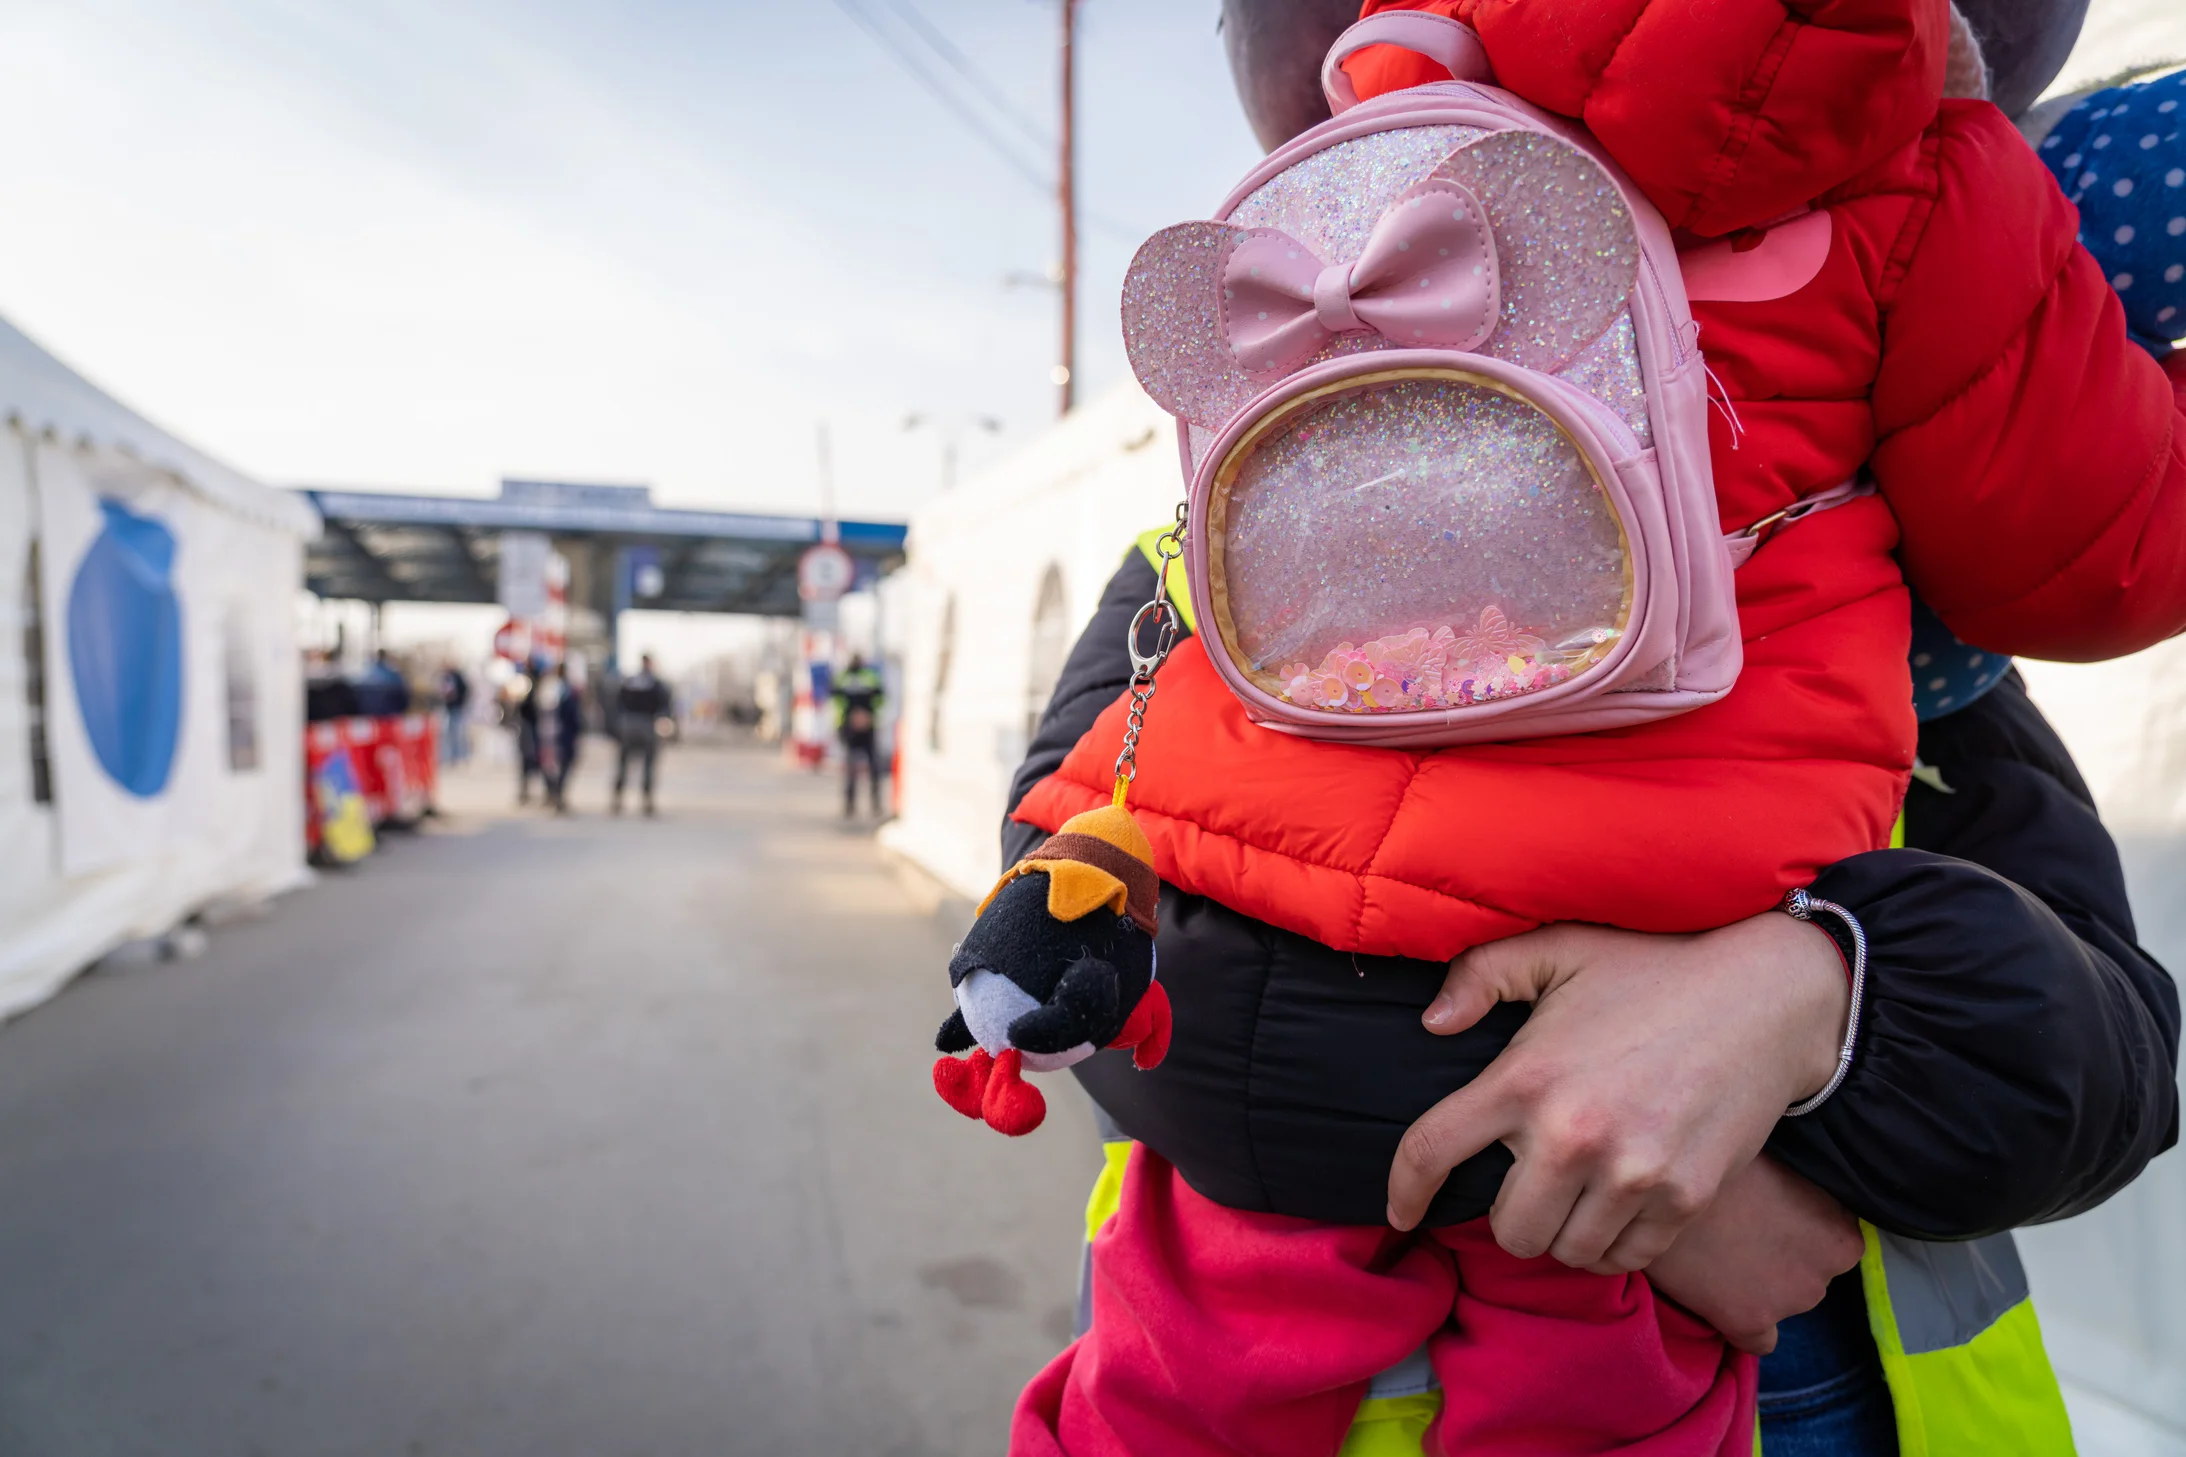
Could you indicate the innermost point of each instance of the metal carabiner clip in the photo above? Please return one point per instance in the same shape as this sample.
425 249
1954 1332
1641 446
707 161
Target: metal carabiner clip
1145 664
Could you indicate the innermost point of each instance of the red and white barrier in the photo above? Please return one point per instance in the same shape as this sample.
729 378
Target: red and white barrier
393 765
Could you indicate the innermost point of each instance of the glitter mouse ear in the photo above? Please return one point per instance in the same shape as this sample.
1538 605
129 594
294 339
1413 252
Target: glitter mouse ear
1565 259
1564 243
1173 329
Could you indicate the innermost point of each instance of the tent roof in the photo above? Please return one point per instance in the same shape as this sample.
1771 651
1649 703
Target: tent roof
43 397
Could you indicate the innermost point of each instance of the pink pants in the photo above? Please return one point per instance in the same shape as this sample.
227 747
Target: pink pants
1220 1333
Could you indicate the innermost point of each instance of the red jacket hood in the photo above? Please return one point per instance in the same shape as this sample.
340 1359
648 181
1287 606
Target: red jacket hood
1726 113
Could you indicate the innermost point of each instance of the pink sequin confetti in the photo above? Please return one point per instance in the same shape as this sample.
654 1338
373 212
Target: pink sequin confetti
1492 639
1422 670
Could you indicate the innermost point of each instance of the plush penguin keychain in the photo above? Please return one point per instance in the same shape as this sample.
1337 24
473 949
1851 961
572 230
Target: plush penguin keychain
1059 962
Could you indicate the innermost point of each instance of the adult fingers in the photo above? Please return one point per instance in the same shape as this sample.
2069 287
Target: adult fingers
1582 1193
1765 1249
1637 1245
1753 1342
1518 968
1443 1137
1649 1205
1536 1201
1739 1320
1596 1225
1467 995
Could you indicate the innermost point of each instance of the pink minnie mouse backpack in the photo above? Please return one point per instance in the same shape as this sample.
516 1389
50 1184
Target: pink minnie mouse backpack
1444 419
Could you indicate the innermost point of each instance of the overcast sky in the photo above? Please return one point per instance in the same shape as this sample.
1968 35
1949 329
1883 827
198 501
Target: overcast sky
428 243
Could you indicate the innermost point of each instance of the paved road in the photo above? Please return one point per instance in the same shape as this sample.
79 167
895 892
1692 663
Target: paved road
531 1137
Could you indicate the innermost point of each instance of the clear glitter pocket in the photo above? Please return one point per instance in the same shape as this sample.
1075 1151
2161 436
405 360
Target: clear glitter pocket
1399 541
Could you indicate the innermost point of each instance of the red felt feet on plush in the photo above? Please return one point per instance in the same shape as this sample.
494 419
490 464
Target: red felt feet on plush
991 1088
1013 1106
1146 1030
962 1081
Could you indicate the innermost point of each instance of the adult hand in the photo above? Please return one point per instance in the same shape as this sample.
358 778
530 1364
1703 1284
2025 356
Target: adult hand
1764 1251
1652 1067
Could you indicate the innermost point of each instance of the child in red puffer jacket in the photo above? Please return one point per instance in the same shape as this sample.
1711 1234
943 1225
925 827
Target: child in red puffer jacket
1952 338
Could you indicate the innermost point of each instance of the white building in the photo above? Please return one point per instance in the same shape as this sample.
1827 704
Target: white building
1002 576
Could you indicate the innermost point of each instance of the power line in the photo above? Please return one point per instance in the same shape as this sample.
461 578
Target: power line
940 44
941 92
935 86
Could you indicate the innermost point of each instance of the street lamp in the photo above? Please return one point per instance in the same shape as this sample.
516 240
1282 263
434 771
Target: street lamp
951 435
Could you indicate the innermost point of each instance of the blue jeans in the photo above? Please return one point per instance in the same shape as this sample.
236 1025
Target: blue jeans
1822 1389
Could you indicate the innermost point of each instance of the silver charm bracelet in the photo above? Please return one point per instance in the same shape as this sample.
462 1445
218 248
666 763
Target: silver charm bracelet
1801 906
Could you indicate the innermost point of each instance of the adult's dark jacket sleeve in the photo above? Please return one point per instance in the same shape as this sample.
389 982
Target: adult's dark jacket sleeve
2018 1057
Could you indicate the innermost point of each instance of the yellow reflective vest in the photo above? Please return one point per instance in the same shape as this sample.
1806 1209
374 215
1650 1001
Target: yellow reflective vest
1961 1348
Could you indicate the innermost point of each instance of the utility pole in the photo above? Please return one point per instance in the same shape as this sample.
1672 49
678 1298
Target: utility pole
1066 371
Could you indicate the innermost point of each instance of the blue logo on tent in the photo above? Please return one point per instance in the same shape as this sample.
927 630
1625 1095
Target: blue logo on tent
125 649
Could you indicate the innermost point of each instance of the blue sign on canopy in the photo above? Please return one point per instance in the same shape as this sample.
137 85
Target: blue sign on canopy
125 649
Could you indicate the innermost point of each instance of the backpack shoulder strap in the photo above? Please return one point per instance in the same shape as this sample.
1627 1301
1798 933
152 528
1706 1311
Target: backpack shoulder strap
1450 44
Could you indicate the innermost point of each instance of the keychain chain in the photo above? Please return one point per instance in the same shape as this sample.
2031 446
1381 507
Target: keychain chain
1167 624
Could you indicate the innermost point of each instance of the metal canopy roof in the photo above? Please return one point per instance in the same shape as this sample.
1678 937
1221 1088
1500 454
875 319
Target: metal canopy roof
383 547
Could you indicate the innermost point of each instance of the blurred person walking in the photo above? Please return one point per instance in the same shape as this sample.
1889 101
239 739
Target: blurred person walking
455 699
641 703
857 700
565 717
530 761
382 690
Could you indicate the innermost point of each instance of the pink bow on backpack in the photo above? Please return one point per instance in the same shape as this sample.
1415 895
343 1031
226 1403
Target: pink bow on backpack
1427 278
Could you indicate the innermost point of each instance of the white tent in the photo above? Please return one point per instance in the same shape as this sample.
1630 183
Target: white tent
151 717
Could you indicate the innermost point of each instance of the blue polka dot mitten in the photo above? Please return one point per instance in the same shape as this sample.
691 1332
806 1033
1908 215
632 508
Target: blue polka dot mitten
1948 674
2120 155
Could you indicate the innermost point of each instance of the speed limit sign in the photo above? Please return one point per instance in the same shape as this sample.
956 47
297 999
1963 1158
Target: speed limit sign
824 573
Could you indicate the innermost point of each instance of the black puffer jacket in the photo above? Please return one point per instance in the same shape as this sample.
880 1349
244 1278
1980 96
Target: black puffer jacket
2017 1060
